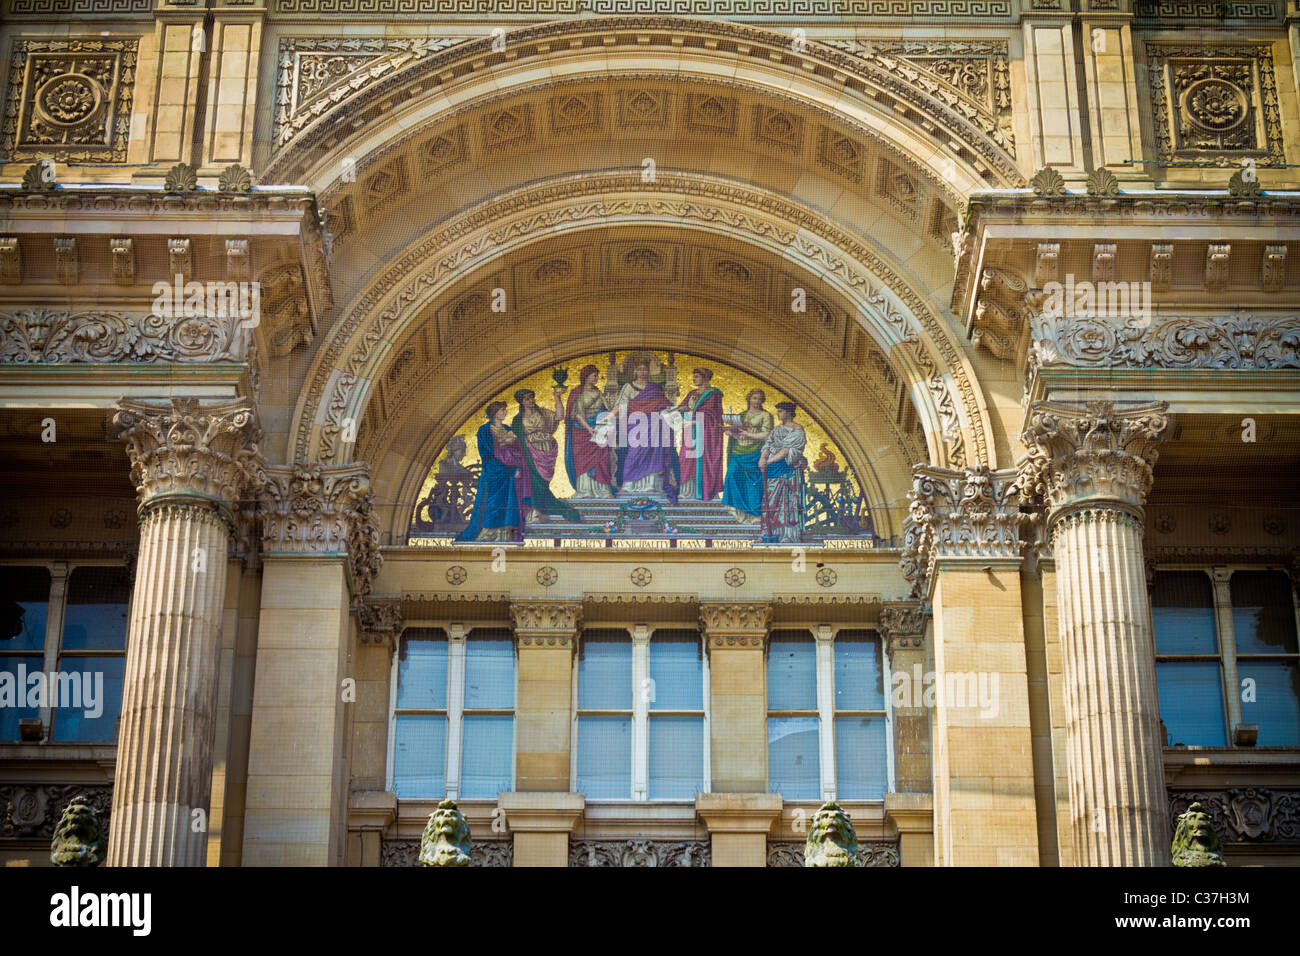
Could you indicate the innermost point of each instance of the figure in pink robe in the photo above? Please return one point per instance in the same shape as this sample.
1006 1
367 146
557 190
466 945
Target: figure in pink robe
701 457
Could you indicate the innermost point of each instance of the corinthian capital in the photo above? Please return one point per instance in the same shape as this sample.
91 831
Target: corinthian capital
735 625
1093 453
971 514
546 623
185 448
322 510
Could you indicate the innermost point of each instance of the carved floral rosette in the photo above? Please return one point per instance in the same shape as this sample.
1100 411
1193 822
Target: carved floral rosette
58 336
1100 452
323 509
969 514
1236 341
191 449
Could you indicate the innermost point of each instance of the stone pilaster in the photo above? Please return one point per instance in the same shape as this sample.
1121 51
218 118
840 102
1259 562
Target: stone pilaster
189 461
319 555
1094 465
735 635
963 554
902 632
545 633
541 824
738 825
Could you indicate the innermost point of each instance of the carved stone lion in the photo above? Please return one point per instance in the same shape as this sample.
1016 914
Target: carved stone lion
832 840
78 839
1195 842
446 837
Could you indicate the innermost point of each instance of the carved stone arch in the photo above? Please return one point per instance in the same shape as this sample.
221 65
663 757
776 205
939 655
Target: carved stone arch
957 143
901 322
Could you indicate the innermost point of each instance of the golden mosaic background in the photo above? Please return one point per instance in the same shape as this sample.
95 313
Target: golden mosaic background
734 383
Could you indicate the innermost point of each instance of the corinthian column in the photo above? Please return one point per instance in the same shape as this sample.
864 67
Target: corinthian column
189 462
1094 467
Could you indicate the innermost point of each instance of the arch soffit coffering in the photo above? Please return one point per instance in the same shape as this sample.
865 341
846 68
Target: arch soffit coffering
904 105
901 321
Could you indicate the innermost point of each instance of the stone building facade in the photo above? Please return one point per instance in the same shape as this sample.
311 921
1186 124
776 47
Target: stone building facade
1026 263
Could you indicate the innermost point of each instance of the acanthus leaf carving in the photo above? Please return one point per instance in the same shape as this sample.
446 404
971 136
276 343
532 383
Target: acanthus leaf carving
1092 453
1237 341
191 449
734 624
323 509
968 514
58 336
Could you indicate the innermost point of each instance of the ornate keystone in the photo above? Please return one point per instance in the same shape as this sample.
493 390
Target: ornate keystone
972 514
323 509
1101 452
184 449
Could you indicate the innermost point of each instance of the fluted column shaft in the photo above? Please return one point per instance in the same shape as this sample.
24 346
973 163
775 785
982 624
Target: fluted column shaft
1094 465
190 462
1113 742
169 691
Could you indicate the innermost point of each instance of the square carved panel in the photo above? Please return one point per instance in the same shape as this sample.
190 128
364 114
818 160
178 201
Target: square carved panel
1212 101
70 99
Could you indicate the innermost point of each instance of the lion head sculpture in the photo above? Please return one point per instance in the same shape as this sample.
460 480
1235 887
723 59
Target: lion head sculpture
446 837
1195 842
78 838
831 839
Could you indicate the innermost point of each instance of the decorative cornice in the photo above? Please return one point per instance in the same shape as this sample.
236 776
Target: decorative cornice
183 448
321 510
57 336
968 515
546 623
343 364
735 625
1238 341
1091 454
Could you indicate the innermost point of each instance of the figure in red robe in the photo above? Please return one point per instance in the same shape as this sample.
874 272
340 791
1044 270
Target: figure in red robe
701 457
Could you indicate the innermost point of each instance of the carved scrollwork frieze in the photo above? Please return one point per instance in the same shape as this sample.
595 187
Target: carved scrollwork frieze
59 336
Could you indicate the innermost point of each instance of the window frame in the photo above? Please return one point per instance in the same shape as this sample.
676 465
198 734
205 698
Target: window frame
640 636
60 571
457 636
1220 576
824 637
